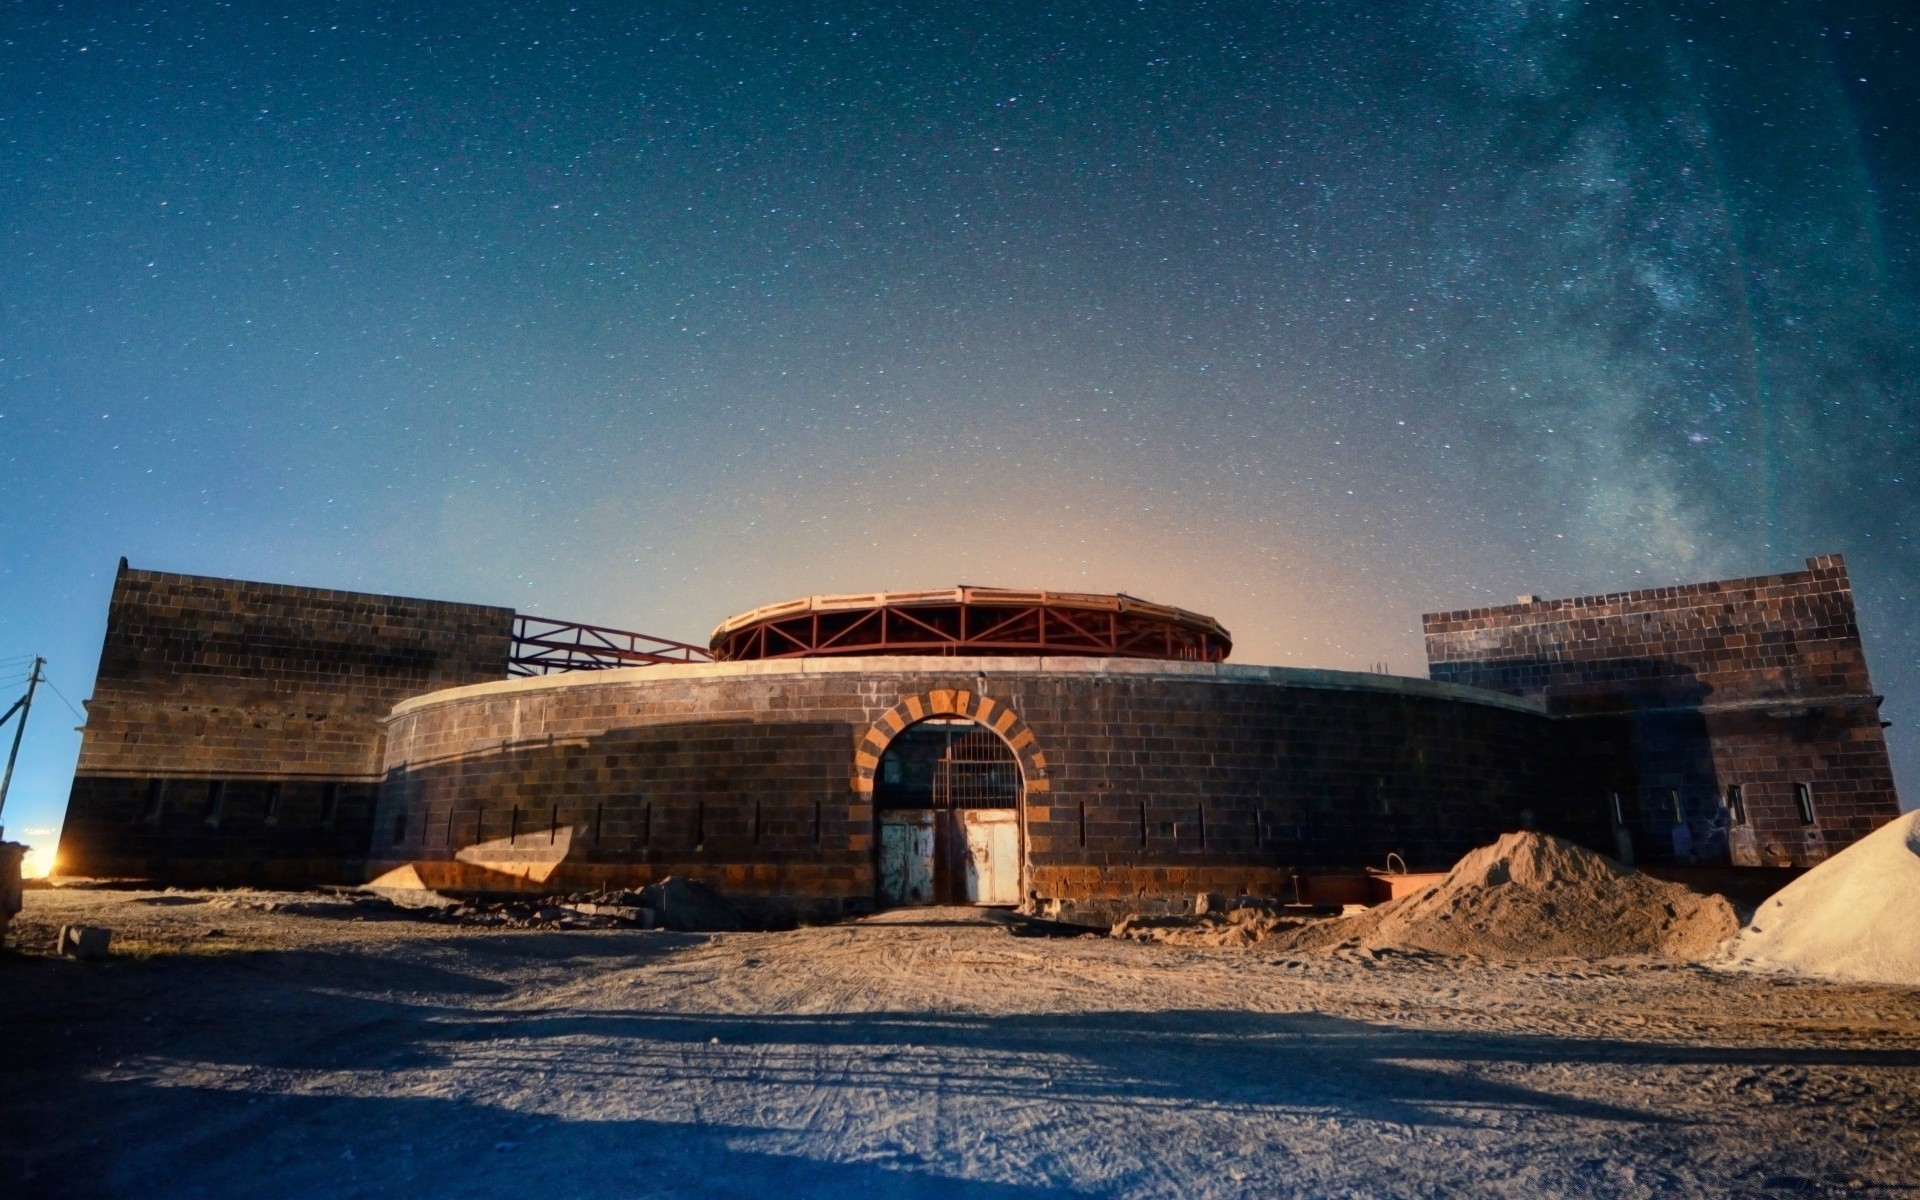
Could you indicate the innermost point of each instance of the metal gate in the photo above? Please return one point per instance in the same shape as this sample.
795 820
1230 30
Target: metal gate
976 770
954 836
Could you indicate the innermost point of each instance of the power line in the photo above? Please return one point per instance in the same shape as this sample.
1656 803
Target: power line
63 699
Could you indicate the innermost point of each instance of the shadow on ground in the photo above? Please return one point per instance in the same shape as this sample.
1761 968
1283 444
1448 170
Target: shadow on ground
342 1073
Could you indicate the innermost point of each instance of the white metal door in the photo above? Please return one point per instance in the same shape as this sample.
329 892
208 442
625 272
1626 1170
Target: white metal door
906 857
992 838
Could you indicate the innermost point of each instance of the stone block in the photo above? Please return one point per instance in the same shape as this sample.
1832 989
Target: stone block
86 942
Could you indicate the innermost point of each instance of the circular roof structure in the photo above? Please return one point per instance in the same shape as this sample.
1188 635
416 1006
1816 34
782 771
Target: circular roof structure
972 620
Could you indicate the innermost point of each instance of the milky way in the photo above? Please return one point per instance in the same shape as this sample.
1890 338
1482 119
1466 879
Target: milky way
1314 316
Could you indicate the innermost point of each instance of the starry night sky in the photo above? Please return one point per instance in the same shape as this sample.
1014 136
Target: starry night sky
1311 316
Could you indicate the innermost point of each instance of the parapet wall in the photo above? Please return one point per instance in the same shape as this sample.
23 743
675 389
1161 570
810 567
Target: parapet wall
235 729
1675 695
1139 778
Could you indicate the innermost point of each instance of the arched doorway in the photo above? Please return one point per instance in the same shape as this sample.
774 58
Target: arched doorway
946 799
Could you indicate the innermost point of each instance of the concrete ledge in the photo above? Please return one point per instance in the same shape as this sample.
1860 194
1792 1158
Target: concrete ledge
923 667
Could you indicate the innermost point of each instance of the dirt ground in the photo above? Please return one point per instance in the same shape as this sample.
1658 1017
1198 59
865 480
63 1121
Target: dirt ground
301 1052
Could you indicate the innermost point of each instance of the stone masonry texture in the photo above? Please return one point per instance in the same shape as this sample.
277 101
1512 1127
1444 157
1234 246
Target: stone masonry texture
235 729
257 734
1140 778
1732 720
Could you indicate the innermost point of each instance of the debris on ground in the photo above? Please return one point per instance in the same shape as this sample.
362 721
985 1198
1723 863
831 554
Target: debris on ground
1532 895
629 913
85 942
1248 925
1851 917
581 911
688 906
674 903
411 897
1023 925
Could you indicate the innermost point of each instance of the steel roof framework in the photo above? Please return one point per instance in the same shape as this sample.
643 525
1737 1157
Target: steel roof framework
972 621
547 647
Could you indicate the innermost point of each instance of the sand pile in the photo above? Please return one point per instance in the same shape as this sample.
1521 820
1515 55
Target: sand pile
1531 895
1851 917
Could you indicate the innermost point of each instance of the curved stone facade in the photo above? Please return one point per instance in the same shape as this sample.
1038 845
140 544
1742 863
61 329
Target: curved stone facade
1139 778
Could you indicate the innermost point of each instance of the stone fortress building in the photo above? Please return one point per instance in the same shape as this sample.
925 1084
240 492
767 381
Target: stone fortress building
972 744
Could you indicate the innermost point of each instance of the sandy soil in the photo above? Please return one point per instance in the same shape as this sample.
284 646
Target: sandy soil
303 1053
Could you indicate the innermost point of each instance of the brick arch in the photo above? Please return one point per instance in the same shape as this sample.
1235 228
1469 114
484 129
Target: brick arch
942 702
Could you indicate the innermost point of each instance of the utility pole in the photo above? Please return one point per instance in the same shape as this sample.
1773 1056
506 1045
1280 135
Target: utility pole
23 706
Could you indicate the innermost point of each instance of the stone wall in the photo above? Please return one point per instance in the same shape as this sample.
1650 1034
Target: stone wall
1671 696
1139 778
235 730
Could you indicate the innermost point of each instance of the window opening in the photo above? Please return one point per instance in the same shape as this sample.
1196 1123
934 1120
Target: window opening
156 801
273 803
1803 800
216 797
1736 804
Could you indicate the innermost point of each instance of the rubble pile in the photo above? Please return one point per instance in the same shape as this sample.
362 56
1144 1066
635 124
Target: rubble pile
1248 925
1532 895
681 905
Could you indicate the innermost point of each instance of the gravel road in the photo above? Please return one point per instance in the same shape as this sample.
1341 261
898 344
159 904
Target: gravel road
295 1051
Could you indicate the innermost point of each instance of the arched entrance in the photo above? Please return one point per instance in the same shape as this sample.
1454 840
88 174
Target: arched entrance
946 800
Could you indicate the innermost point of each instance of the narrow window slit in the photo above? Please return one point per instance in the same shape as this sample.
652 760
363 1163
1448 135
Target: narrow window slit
1803 801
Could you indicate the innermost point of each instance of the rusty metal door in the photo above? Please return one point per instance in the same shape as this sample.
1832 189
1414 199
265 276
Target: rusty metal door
991 871
906 856
948 795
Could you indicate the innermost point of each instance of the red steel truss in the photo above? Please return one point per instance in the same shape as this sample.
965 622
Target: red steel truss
543 647
970 620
